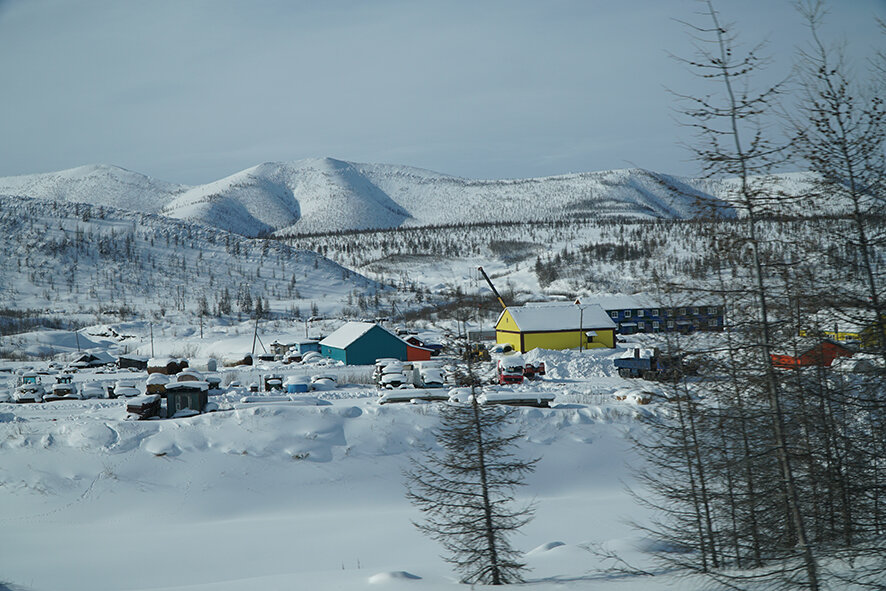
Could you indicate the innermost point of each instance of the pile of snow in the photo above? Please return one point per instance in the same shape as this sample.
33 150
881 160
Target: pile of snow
569 364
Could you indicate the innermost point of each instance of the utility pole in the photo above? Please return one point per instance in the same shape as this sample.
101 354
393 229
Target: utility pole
255 334
581 324
581 330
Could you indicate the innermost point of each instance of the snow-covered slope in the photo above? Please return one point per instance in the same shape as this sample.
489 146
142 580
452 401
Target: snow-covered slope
314 195
439 199
72 258
323 195
97 184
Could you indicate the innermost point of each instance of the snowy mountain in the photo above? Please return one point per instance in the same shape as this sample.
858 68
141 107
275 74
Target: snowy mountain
311 195
327 195
98 184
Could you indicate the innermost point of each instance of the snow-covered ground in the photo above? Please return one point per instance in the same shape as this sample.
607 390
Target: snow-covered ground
307 495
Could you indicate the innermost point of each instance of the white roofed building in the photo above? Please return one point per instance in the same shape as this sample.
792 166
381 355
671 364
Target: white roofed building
555 325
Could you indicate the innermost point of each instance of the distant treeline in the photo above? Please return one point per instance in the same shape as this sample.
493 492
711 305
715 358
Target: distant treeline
19 321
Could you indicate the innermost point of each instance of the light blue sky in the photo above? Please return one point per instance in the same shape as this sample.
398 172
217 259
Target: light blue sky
191 91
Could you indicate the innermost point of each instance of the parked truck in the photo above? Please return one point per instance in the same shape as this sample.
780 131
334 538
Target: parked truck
649 364
510 369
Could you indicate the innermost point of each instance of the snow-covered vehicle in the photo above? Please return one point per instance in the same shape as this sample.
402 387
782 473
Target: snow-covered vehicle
392 373
125 388
382 364
510 369
501 349
126 391
649 364
323 382
28 392
312 357
432 377
393 380
61 391
93 390
29 388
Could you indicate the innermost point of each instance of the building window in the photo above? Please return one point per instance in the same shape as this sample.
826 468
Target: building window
641 326
682 311
712 309
668 312
627 313
695 309
655 325
713 322
670 324
655 312
614 315
641 313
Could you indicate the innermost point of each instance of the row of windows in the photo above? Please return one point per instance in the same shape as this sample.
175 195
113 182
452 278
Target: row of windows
655 324
695 310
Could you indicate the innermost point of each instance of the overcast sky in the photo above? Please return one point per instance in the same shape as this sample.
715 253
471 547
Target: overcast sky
191 91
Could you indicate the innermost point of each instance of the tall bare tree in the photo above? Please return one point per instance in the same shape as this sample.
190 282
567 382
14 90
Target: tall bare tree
840 128
730 124
466 491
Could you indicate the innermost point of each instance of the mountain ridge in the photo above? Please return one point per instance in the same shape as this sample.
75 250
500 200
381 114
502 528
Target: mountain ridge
325 194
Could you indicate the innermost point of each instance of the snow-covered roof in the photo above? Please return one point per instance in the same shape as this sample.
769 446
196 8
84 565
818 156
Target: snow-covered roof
157 378
95 356
622 302
551 316
160 361
347 334
639 301
185 386
134 357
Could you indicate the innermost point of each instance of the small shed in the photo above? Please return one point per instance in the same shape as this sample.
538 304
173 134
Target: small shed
555 325
93 359
186 396
434 348
165 366
306 345
138 362
144 407
361 343
156 384
279 348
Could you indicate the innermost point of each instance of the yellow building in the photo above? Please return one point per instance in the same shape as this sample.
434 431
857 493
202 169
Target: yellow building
555 325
